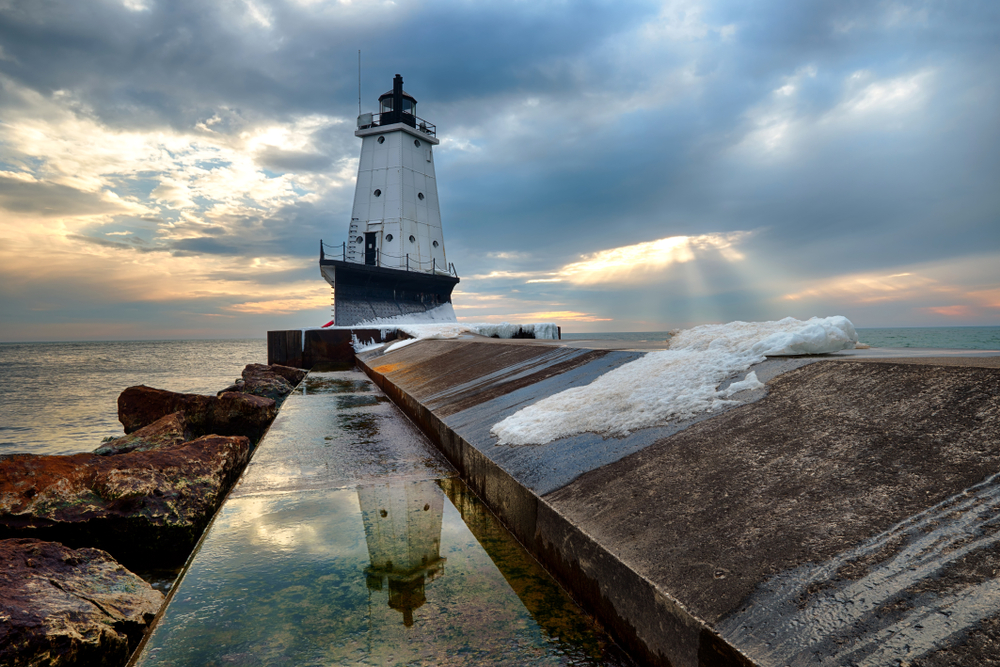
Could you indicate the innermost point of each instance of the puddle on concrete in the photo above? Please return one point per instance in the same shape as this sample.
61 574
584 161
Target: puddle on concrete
356 401
323 384
383 574
350 541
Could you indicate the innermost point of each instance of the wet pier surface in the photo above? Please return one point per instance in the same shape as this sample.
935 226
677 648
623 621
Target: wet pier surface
350 540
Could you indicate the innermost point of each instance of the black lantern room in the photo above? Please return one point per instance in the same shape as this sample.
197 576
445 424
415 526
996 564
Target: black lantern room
397 106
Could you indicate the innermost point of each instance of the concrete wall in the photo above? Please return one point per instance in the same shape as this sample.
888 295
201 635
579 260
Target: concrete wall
847 516
304 348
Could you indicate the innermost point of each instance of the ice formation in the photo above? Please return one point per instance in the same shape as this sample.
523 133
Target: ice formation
673 384
363 346
443 313
440 323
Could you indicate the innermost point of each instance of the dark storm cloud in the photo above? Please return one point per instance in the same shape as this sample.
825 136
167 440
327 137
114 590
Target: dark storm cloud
282 161
132 244
908 180
50 199
852 136
294 229
204 245
180 60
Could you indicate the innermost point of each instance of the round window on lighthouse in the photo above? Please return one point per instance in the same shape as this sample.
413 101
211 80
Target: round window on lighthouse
413 239
435 244
359 240
420 196
378 193
416 142
381 140
388 237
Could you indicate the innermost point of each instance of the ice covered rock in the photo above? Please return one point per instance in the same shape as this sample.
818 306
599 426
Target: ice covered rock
440 323
62 606
145 507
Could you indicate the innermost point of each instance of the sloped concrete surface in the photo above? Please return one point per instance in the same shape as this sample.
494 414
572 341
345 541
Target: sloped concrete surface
823 520
845 517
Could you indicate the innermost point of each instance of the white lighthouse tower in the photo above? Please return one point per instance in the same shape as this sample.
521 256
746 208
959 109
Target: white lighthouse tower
394 260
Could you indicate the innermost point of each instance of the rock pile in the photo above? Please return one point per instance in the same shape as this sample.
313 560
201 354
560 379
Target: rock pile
61 606
274 382
232 413
145 508
144 498
165 431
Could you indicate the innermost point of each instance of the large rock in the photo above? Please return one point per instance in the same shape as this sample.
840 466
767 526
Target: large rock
231 413
293 375
274 382
62 606
145 508
261 380
170 430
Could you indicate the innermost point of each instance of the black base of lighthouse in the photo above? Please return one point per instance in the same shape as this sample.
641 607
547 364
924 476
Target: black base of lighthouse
362 292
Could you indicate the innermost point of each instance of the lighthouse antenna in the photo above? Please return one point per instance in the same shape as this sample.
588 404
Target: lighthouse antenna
359 82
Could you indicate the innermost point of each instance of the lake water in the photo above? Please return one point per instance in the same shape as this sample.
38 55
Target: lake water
954 338
62 398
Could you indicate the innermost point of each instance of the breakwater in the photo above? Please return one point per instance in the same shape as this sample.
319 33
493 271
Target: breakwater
792 515
842 512
68 523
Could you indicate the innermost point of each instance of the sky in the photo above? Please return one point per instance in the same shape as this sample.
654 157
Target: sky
168 167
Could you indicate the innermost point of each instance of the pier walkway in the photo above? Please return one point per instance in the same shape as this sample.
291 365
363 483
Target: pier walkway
351 540
848 514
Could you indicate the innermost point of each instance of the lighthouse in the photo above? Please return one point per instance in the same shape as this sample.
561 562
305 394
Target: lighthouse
393 261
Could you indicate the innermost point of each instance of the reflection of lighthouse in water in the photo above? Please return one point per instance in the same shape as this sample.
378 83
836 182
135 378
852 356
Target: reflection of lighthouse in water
403 531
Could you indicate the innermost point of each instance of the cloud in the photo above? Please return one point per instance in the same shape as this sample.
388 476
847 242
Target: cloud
959 291
594 158
636 262
627 264
205 245
309 301
280 160
133 244
21 193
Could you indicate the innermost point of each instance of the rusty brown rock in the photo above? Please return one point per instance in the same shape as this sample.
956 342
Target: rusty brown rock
231 413
170 430
236 413
145 508
140 406
62 606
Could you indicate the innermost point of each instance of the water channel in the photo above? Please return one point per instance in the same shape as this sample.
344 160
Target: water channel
351 541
